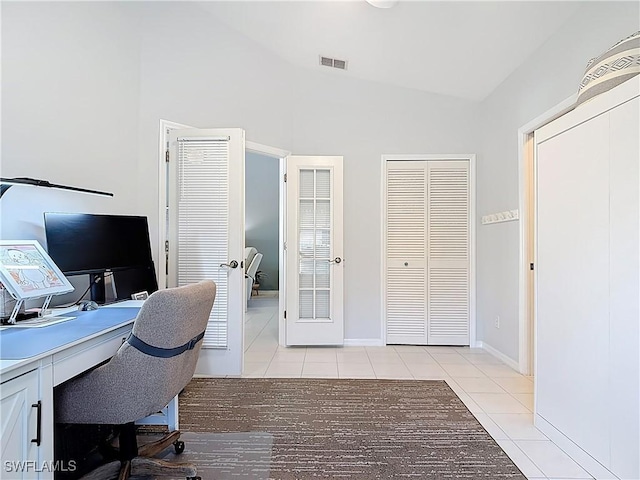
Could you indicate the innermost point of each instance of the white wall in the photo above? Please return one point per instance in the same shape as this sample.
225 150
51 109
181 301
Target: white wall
198 72
549 76
362 121
90 82
201 73
70 95
85 85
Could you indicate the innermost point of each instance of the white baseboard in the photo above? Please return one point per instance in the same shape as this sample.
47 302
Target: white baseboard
499 355
363 342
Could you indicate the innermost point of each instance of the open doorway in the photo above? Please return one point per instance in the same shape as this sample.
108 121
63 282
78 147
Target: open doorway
262 220
262 249
264 231
235 202
181 151
527 214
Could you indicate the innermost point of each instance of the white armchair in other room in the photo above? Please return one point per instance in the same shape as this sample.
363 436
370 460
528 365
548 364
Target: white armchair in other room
250 277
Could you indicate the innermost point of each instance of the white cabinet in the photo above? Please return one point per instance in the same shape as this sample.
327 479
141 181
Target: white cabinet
19 433
26 386
587 285
624 316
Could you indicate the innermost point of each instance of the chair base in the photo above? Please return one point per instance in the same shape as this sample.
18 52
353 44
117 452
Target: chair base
143 465
153 467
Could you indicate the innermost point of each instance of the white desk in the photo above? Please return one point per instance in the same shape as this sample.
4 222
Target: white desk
32 362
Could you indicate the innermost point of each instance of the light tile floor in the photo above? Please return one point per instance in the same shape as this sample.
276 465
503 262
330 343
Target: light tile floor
499 397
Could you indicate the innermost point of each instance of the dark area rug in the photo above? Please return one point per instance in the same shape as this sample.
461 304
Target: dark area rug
330 428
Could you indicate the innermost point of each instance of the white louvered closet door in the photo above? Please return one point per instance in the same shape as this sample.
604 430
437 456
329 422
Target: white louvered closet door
406 253
428 261
448 253
206 241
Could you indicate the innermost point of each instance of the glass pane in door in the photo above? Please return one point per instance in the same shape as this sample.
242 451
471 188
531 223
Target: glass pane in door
314 241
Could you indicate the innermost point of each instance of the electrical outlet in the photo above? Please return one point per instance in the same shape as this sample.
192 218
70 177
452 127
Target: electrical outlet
496 321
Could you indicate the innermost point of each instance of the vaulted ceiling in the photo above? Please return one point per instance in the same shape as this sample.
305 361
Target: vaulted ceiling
463 49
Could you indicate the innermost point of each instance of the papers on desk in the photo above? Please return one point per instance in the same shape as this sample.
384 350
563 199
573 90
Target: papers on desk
55 311
37 322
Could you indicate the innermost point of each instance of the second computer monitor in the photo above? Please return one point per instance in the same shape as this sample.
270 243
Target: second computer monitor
82 243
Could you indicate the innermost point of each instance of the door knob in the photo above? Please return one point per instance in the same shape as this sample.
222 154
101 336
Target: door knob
231 264
336 260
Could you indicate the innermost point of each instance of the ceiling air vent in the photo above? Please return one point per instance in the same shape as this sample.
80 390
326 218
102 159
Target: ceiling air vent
333 62
341 64
326 61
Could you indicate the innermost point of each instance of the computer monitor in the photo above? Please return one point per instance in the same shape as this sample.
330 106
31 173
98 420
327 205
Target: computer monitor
93 244
135 280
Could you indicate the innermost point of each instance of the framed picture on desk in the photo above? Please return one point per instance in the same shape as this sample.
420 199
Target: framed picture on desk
28 272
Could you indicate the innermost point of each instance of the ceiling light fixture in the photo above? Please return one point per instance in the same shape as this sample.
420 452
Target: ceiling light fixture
382 3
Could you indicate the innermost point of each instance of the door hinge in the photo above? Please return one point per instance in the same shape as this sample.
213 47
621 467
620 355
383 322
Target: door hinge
166 246
285 245
285 178
285 314
166 156
531 266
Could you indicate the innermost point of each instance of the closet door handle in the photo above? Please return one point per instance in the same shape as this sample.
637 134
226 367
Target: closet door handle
336 260
38 439
231 264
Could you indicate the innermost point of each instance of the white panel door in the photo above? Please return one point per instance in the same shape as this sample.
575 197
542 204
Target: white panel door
314 276
572 284
206 234
624 338
427 294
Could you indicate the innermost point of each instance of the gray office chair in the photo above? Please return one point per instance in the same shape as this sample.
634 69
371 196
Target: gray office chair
155 363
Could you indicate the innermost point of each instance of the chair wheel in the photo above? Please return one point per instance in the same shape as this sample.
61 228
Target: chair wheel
194 478
178 446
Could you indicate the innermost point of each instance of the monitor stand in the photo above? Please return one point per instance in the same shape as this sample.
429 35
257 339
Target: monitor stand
98 293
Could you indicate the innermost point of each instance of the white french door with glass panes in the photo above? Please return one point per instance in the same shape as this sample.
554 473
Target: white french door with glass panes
206 234
428 281
315 267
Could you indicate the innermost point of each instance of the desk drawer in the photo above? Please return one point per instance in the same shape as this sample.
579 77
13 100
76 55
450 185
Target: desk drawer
84 356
